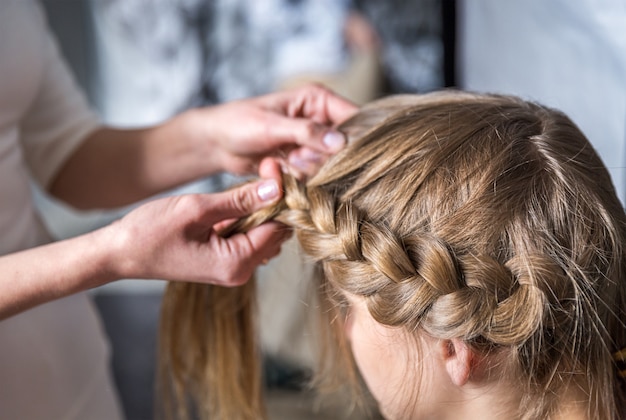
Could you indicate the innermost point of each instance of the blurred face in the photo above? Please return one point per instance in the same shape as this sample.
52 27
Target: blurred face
382 356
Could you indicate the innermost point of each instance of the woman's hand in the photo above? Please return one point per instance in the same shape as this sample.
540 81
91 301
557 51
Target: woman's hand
116 167
176 238
295 126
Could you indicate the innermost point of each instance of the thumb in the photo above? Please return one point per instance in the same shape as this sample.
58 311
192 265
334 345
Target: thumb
244 200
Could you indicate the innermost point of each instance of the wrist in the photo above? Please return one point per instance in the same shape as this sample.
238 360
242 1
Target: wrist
109 255
199 128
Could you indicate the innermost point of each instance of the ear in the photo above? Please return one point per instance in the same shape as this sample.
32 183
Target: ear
458 359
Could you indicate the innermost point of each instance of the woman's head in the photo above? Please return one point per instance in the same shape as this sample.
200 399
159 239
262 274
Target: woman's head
483 227
484 219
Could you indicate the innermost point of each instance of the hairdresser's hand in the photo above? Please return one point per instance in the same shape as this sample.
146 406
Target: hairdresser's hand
294 125
175 238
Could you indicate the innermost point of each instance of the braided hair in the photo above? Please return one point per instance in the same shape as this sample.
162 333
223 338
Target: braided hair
483 218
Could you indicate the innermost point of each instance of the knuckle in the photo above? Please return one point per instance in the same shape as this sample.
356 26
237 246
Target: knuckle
191 204
235 275
310 129
238 280
243 200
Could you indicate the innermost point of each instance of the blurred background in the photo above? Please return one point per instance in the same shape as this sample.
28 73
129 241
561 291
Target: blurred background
142 61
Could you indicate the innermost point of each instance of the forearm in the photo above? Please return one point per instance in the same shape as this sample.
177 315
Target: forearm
38 275
173 238
118 167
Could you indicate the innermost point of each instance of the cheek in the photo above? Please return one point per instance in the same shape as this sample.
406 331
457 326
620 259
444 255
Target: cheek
380 362
371 359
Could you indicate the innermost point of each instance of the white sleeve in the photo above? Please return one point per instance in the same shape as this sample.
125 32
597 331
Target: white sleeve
59 118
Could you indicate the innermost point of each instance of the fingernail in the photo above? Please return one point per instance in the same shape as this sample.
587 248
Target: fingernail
299 163
334 140
268 190
311 156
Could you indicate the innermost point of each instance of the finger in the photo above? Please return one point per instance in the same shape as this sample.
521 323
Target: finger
242 201
270 168
224 224
248 250
306 161
305 132
266 241
320 104
338 109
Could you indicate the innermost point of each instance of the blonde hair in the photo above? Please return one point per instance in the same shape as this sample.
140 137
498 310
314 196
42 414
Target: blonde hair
479 217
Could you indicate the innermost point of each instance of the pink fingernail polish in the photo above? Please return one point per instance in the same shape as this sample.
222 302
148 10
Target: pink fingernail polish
334 140
268 190
298 163
311 156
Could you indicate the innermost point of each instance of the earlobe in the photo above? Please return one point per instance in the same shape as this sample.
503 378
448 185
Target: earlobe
458 360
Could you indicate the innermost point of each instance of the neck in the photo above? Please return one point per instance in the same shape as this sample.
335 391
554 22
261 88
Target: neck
498 401
485 402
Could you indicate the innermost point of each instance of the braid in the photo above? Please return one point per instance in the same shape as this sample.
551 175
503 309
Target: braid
472 217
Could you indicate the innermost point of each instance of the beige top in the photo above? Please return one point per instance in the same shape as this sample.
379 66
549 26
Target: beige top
53 359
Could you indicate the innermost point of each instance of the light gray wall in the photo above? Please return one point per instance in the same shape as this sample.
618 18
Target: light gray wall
569 54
